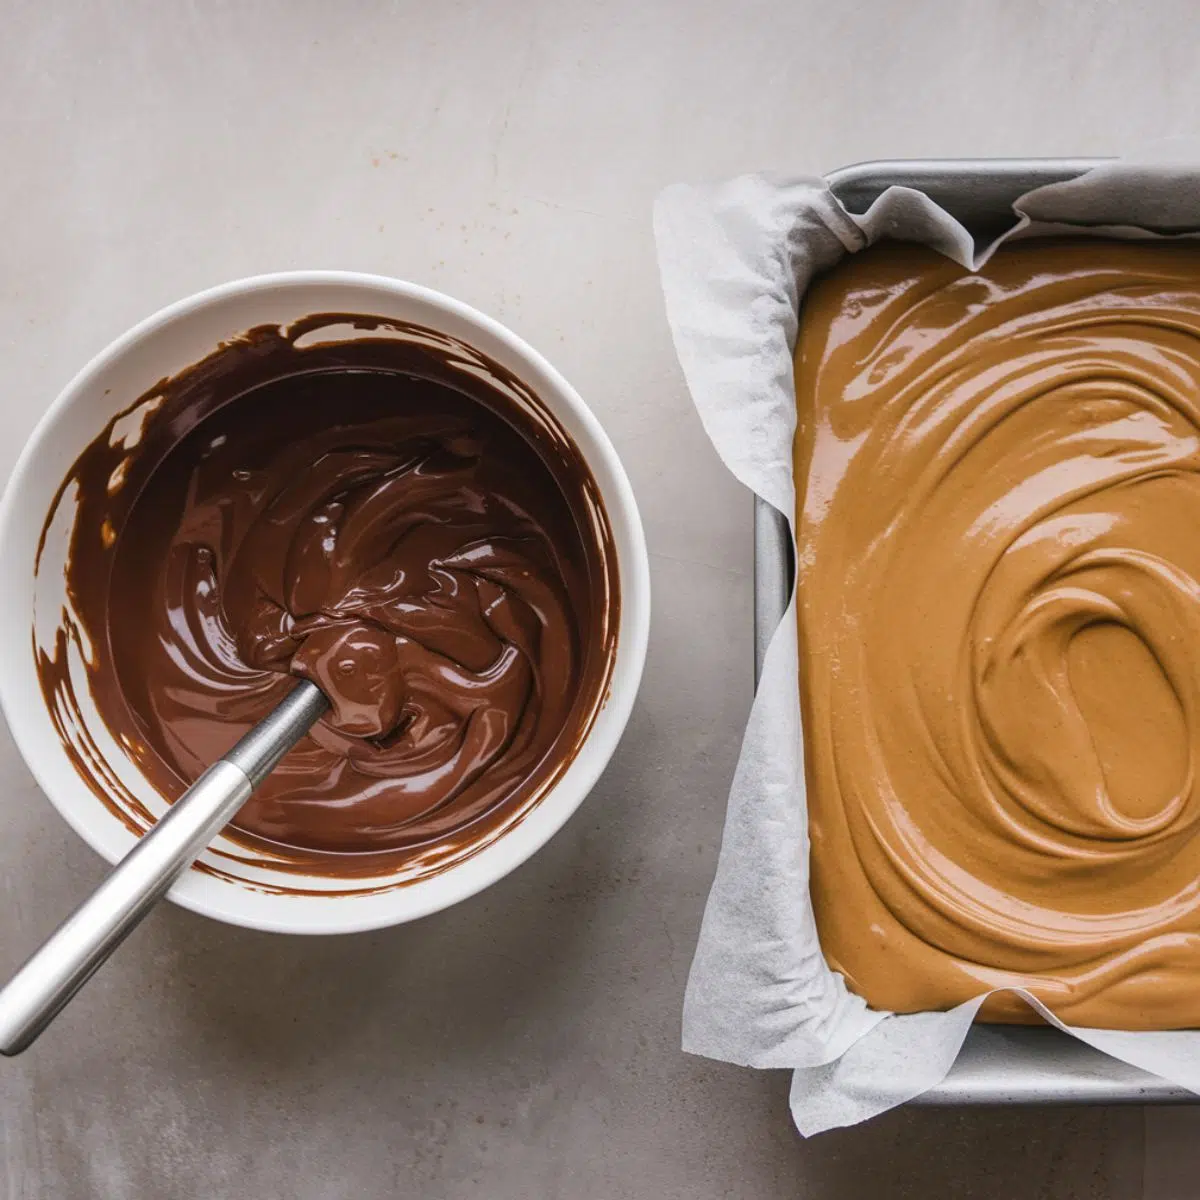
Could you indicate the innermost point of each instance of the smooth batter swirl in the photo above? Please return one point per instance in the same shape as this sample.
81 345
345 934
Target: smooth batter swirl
999 608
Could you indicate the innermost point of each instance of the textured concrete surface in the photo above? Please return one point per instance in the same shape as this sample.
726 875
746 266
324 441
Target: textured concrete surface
526 1043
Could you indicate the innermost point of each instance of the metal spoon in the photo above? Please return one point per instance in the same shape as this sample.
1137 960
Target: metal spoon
43 986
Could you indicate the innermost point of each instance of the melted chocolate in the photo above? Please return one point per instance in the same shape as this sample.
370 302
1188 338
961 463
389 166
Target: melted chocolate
366 514
999 612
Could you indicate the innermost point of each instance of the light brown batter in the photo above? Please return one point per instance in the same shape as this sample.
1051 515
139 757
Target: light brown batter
999 604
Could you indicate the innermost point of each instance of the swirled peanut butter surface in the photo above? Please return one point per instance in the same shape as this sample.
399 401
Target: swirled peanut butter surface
999 606
376 518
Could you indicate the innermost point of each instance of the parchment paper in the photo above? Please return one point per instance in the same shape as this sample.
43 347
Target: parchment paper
735 259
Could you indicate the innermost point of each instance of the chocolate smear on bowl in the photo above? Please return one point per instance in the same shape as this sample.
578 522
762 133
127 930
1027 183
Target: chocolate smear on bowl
373 506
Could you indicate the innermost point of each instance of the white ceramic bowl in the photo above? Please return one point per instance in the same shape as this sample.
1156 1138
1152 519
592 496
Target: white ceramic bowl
161 346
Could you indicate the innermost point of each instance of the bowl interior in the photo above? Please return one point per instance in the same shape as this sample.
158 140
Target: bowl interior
235 885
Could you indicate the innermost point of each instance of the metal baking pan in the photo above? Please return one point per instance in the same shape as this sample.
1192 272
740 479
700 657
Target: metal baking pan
999 1064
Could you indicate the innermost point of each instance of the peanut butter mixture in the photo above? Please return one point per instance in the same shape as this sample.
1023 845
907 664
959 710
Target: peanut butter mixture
998 515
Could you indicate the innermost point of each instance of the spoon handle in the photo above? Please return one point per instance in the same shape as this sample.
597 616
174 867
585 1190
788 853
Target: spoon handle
64 963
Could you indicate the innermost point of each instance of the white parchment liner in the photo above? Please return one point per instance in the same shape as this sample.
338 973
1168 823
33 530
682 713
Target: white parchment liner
735 259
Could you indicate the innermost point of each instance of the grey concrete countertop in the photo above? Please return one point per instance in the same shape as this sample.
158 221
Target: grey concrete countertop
525 1043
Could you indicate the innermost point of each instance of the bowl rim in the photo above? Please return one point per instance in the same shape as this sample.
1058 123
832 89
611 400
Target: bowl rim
464 879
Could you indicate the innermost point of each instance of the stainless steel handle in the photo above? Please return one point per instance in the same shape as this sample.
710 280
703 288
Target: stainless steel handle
43 986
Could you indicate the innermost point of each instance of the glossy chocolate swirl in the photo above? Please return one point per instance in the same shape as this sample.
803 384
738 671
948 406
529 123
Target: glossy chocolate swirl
368 518
999 607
